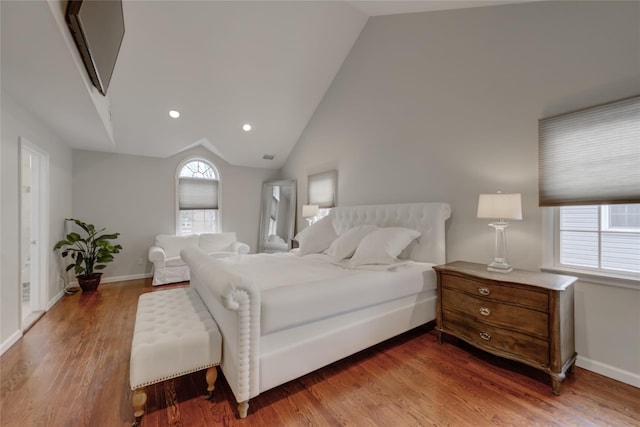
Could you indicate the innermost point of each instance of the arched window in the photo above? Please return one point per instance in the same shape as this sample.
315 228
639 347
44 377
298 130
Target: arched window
197 195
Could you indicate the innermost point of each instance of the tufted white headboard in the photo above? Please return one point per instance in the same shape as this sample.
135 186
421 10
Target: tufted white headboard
428 218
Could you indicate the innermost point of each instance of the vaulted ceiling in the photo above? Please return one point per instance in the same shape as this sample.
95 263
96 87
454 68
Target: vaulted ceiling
220 63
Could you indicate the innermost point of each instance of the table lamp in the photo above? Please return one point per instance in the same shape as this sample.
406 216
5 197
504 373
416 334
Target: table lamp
500 206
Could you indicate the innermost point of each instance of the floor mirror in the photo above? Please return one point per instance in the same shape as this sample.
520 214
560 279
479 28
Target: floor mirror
277 217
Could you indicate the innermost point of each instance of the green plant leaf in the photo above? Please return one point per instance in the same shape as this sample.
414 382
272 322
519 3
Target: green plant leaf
80 224
108 236
60 244
73 237
90 252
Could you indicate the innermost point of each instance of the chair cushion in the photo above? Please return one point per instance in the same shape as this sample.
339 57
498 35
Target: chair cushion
174 262
217 242
172 245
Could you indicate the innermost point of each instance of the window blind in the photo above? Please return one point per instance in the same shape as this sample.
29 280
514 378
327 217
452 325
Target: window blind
322 189
197 193
591 156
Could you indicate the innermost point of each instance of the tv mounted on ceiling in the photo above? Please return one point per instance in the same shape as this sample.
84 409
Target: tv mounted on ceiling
97 26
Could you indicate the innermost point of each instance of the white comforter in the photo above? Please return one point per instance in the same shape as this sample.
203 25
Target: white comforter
297 290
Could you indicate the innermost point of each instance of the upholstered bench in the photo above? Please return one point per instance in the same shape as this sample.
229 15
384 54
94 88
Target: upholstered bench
174 335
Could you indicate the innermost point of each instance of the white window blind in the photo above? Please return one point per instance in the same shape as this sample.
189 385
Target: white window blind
591 156
322 189
197 193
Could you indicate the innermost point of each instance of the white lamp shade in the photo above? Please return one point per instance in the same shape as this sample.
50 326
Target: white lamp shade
500 206
310 210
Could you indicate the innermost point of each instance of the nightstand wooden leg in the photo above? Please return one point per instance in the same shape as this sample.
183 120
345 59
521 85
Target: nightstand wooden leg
439 337
556 380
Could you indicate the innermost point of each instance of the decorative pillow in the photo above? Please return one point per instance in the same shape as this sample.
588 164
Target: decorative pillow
217 242
383 245
345 245
172 245
317 237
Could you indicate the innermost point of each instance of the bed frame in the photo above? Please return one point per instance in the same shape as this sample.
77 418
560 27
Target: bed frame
253 363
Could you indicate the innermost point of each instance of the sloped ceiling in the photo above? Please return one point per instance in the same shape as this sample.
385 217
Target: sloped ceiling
221 64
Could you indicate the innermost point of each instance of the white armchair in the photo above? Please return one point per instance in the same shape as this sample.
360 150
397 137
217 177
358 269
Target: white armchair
168 266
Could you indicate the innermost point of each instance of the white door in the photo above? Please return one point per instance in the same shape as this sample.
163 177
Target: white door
34 241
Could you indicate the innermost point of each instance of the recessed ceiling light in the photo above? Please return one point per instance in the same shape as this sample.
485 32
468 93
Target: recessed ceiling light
174 114
246 127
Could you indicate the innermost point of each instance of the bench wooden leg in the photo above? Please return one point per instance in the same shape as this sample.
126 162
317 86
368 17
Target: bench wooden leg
139 399
243 408
211 375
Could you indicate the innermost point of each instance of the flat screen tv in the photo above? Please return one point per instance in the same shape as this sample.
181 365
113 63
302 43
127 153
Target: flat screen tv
97 26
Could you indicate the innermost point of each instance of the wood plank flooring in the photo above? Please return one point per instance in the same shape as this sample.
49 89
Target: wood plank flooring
72 369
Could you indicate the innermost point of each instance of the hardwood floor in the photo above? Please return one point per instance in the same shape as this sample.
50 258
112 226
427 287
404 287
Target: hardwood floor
72 369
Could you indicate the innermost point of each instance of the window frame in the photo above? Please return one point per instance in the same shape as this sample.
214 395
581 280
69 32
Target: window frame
551 257
176 210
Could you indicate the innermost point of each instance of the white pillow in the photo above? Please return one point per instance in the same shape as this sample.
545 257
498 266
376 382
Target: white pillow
383 245
345 245
317 237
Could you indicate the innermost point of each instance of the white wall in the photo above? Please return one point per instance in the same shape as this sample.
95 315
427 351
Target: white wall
608 330
16 123
135 196
442 106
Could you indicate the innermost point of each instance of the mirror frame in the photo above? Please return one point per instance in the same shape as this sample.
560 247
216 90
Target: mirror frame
267 191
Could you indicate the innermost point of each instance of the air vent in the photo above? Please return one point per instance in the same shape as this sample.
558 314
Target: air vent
268 157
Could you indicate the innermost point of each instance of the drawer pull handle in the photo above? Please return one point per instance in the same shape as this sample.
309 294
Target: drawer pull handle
485 311
485 336
484 291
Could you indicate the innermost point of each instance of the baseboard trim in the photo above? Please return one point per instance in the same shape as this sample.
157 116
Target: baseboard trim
18 334
120 278
10 341
54 300
609 371
125 278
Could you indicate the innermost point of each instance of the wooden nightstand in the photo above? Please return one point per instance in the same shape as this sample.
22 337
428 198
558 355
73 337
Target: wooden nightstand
523 316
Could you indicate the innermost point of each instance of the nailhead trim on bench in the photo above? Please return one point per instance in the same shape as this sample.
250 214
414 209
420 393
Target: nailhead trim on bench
174 376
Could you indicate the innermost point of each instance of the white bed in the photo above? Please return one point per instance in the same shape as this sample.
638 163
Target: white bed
282 315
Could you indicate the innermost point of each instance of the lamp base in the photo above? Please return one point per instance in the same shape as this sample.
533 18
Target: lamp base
499 268
500 263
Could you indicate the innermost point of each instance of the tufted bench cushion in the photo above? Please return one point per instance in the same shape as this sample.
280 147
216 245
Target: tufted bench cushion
174 335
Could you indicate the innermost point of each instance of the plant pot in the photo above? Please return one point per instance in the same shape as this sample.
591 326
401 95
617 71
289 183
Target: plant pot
89 283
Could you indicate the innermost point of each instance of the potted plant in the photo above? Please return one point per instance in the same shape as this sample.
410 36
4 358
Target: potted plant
88 253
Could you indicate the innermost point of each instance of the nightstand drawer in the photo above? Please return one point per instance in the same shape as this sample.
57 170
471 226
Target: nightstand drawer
497 314
505 293
517 345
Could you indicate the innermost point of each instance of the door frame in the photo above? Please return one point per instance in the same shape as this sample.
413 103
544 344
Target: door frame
39 296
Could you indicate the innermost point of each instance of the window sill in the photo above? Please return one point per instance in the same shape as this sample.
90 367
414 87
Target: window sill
597 277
